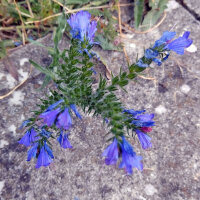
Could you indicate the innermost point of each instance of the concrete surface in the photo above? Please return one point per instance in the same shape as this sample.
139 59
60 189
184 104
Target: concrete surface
171 167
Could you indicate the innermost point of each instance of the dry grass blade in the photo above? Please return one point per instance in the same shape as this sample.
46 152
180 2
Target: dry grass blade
147 31
120 30
29 8
23 29
76 10
15 88
67 9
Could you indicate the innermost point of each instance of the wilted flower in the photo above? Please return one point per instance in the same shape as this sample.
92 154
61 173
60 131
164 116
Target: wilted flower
64 141
111 153
146 129
129 157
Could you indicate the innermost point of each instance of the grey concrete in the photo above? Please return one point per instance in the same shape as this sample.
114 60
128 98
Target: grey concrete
171 167
193 5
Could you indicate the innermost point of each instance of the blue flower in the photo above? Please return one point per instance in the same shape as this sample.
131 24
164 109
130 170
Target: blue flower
140 63
180 43
64 141
144 120
166 37
29 138
32 152
111 153
51 107
129 157
93 70
45 157
152 54
24 123
45 133
64 120
144 139
73 107
81 27
49 117
133 112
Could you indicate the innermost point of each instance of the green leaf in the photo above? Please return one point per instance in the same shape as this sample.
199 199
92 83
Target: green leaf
46 81
62 22
138 12
105 43
42 69
152 16
50 49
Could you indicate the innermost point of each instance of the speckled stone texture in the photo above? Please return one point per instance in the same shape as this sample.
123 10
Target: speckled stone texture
193 5
171 167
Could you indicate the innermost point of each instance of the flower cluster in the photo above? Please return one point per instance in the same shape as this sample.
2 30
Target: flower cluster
163 46
83 29
81 26
74 84
142 125
129 157
37 140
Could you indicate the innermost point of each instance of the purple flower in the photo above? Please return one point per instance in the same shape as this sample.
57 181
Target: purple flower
180 43
129 157
111 153
49 117
166 37
73 107
144 139
64 120
32 152
140 63
64 141
45 157
81 27
29 138
51 107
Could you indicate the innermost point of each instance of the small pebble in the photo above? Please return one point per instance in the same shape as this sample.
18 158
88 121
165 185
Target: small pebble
150 189
185 88
160 110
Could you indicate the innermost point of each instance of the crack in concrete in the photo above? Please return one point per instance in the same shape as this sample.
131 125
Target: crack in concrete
190 10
